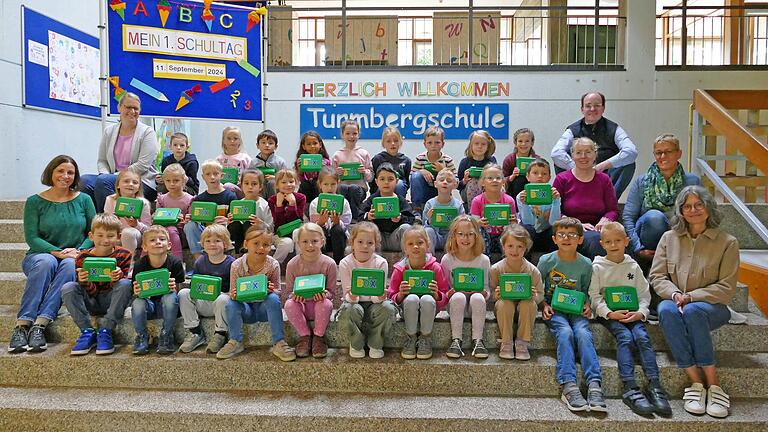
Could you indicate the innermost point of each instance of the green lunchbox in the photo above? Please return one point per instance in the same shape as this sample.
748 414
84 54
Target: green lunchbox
475 172
99 268
367 282
251 288
203 211
307 286
242 209
522 164
431 168
497 214
166 216
622 298
311 162
350 171
231 175
568 301
468 279
538 194
203 287
443 216
267 170
419 281
153 283
515 286
386 207
287 229
330 202
129 207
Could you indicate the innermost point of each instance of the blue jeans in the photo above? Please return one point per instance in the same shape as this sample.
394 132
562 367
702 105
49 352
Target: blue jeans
165 307
650 227
492 242
401 189
100 186
567 331
46 274
628 336
621 177
421 191
193 231
591 247
688 334
268 310
110 304
437 238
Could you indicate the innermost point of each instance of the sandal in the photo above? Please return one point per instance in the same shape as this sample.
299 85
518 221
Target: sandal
695 398
718 402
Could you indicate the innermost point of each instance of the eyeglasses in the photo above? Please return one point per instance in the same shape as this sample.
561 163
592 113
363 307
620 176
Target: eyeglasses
570 235
465 234
663 153
695 206
590 107
131 108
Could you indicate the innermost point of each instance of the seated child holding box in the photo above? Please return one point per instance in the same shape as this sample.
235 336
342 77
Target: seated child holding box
125 203
251 183
100 290
391 213
566 275
620 299
494 207
256 262
362 272
232 158
334 216
287 207
175 198
315 271
213 262
440 211
537 214
166 305
267 161
180 155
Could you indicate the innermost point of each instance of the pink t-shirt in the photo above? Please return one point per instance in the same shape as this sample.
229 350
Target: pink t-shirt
122 152
481 200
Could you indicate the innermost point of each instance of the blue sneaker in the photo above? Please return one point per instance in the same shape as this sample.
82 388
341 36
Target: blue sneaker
104 344
85 342
141 344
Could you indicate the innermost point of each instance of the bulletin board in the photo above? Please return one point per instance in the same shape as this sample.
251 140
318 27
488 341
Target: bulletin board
186 59
60 66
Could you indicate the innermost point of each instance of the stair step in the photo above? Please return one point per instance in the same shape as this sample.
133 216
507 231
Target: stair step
750 337
98 410
12 209
742 374
11 255
11 230
11 287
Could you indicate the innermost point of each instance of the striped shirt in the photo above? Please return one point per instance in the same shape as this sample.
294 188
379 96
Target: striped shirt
444 159
123 257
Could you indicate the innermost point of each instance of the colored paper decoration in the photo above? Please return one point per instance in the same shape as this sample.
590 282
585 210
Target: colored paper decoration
119 91
248 67
221 85
187 96
119 7
148 89
207 14
164 9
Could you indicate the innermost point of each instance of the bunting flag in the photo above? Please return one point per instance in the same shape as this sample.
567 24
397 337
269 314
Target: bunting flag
119 7
207 14
164 9
119 91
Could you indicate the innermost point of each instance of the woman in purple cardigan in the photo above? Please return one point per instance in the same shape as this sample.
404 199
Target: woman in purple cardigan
587 195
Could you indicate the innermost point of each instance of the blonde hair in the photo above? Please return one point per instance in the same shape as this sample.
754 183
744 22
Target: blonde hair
211 164
667 137
446 172
154 229
418 230
491 143
362 227
106 221
487 167
219 231
229 129
452 245
285 173
612 227
257 229
585 142
124 172
434 131
516 232
174 169
310 227
391 130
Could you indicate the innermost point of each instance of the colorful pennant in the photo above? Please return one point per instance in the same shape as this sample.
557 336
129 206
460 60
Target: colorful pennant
119 7
164 9
119 91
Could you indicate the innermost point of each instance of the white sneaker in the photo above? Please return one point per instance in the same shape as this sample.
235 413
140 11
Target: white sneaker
736 318
375 353
718 402
356 353
695 398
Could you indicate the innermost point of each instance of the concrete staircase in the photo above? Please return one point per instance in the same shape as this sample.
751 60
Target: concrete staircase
54 391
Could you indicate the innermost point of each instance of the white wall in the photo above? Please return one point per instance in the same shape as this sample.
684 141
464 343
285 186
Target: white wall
645 102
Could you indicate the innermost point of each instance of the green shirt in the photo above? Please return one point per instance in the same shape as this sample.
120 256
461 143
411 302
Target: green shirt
575 275
52 226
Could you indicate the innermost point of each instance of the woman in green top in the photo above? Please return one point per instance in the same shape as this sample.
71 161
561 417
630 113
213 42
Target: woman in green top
56 225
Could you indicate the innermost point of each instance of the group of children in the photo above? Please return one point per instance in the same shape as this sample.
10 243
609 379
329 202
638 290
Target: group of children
468 241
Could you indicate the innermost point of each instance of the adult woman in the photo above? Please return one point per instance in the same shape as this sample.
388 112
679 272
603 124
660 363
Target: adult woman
694 272
587 195
56 225
652 197
126 144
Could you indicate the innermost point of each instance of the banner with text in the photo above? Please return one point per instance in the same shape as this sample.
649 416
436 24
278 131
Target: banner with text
458 120
190 59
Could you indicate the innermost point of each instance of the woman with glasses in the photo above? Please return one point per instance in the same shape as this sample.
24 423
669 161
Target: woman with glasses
652 197
587 194
694 271
126 144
